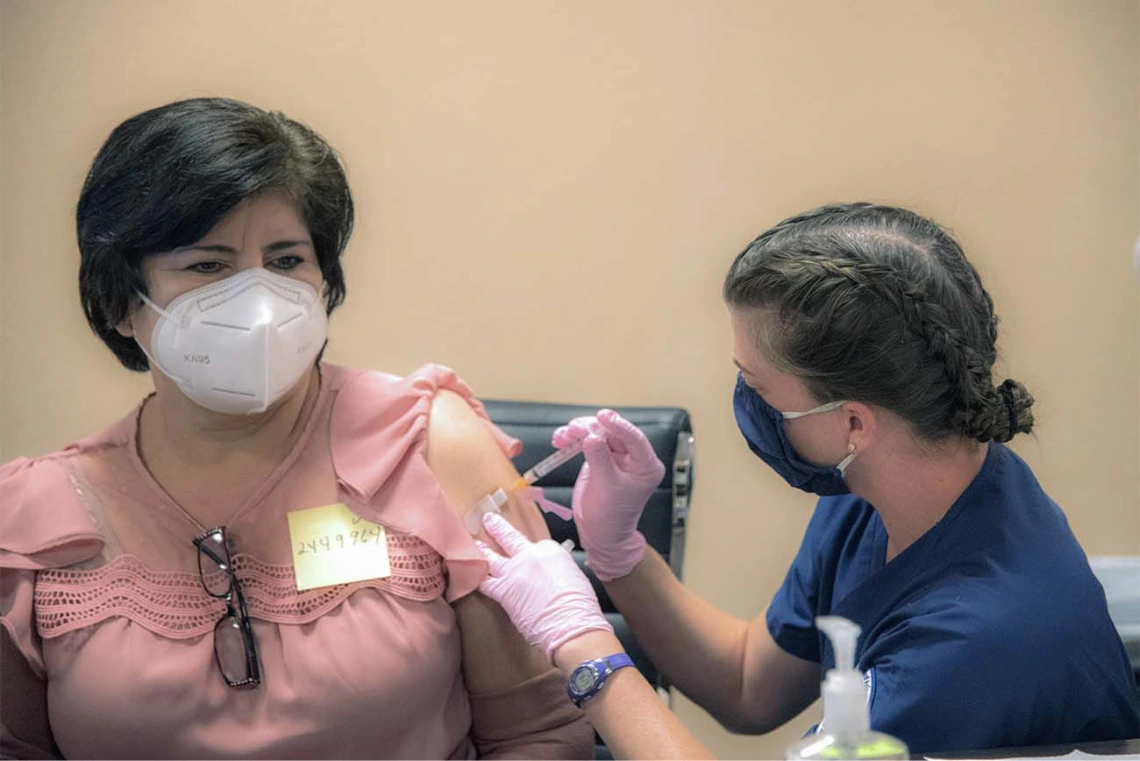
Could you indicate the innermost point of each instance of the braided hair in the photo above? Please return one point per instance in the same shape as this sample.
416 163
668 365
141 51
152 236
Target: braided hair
878 304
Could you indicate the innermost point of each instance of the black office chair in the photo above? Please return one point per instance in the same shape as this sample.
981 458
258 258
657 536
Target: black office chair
663 522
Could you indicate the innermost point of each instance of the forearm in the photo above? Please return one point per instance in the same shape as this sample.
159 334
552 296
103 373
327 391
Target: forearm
699 649
627 712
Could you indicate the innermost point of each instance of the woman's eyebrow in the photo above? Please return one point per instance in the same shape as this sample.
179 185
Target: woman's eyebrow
218 248
283 244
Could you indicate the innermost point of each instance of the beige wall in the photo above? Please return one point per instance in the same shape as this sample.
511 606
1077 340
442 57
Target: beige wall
550 192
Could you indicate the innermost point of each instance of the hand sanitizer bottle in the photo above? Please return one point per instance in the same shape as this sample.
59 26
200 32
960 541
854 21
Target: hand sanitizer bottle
845 732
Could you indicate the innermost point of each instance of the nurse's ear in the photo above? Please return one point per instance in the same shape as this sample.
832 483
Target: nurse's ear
863 425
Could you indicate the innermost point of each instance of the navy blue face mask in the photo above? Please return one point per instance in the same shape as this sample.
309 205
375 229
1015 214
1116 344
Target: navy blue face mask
763 429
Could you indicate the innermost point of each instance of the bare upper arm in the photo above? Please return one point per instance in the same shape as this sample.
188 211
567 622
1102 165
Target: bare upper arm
777 685
469 464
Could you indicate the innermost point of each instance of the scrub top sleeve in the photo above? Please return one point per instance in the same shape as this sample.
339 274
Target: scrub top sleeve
791 614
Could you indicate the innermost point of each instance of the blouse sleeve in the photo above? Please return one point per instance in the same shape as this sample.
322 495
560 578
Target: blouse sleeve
43 524
379 439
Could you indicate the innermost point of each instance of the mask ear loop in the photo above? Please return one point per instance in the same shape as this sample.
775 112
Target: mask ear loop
814 411
149 356
842 466
155 307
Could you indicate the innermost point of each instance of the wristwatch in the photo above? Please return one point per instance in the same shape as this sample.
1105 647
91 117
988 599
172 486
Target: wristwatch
587 679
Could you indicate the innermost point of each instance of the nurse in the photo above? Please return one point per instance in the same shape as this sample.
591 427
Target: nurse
865 343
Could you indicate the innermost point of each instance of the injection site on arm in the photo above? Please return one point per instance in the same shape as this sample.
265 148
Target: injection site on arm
493 502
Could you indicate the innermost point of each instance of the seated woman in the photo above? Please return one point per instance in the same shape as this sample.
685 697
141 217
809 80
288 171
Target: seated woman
161 592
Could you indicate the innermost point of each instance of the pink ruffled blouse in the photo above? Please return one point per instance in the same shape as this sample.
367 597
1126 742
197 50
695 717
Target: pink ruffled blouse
99 590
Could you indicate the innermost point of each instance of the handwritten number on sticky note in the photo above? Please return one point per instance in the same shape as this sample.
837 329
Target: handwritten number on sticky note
327 543
332 545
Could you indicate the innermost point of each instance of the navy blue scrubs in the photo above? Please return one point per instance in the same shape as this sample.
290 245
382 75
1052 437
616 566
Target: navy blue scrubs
988 631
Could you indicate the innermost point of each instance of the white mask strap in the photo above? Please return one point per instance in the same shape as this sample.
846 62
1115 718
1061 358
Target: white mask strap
154 362
156 308
821 408
842 466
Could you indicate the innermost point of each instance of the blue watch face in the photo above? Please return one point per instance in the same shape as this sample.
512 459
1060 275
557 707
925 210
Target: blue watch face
583 678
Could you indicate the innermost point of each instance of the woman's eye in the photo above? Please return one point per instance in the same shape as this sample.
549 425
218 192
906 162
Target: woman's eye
205 268
286 263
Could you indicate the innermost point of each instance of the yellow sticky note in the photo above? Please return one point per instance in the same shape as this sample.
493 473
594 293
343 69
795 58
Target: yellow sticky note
333 545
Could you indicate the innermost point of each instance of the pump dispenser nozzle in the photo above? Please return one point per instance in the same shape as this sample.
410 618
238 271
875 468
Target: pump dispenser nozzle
845 710
845 731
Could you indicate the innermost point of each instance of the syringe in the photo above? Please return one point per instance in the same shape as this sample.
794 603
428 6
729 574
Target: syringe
493 502
545 466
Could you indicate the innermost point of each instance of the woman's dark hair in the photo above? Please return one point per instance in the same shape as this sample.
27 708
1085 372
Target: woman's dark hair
878 304
164 178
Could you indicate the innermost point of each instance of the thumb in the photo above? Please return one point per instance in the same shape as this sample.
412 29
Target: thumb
600 458
496 563
508 537
634 440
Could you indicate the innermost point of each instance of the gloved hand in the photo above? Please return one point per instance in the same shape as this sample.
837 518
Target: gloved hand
548 598
620 473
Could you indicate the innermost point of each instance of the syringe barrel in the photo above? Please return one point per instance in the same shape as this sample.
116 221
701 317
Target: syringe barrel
560 457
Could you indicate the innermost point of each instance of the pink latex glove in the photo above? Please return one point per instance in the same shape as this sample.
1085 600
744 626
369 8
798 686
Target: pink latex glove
620 473
548 598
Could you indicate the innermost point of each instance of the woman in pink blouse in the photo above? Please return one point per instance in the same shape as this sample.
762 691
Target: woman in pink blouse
160 592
